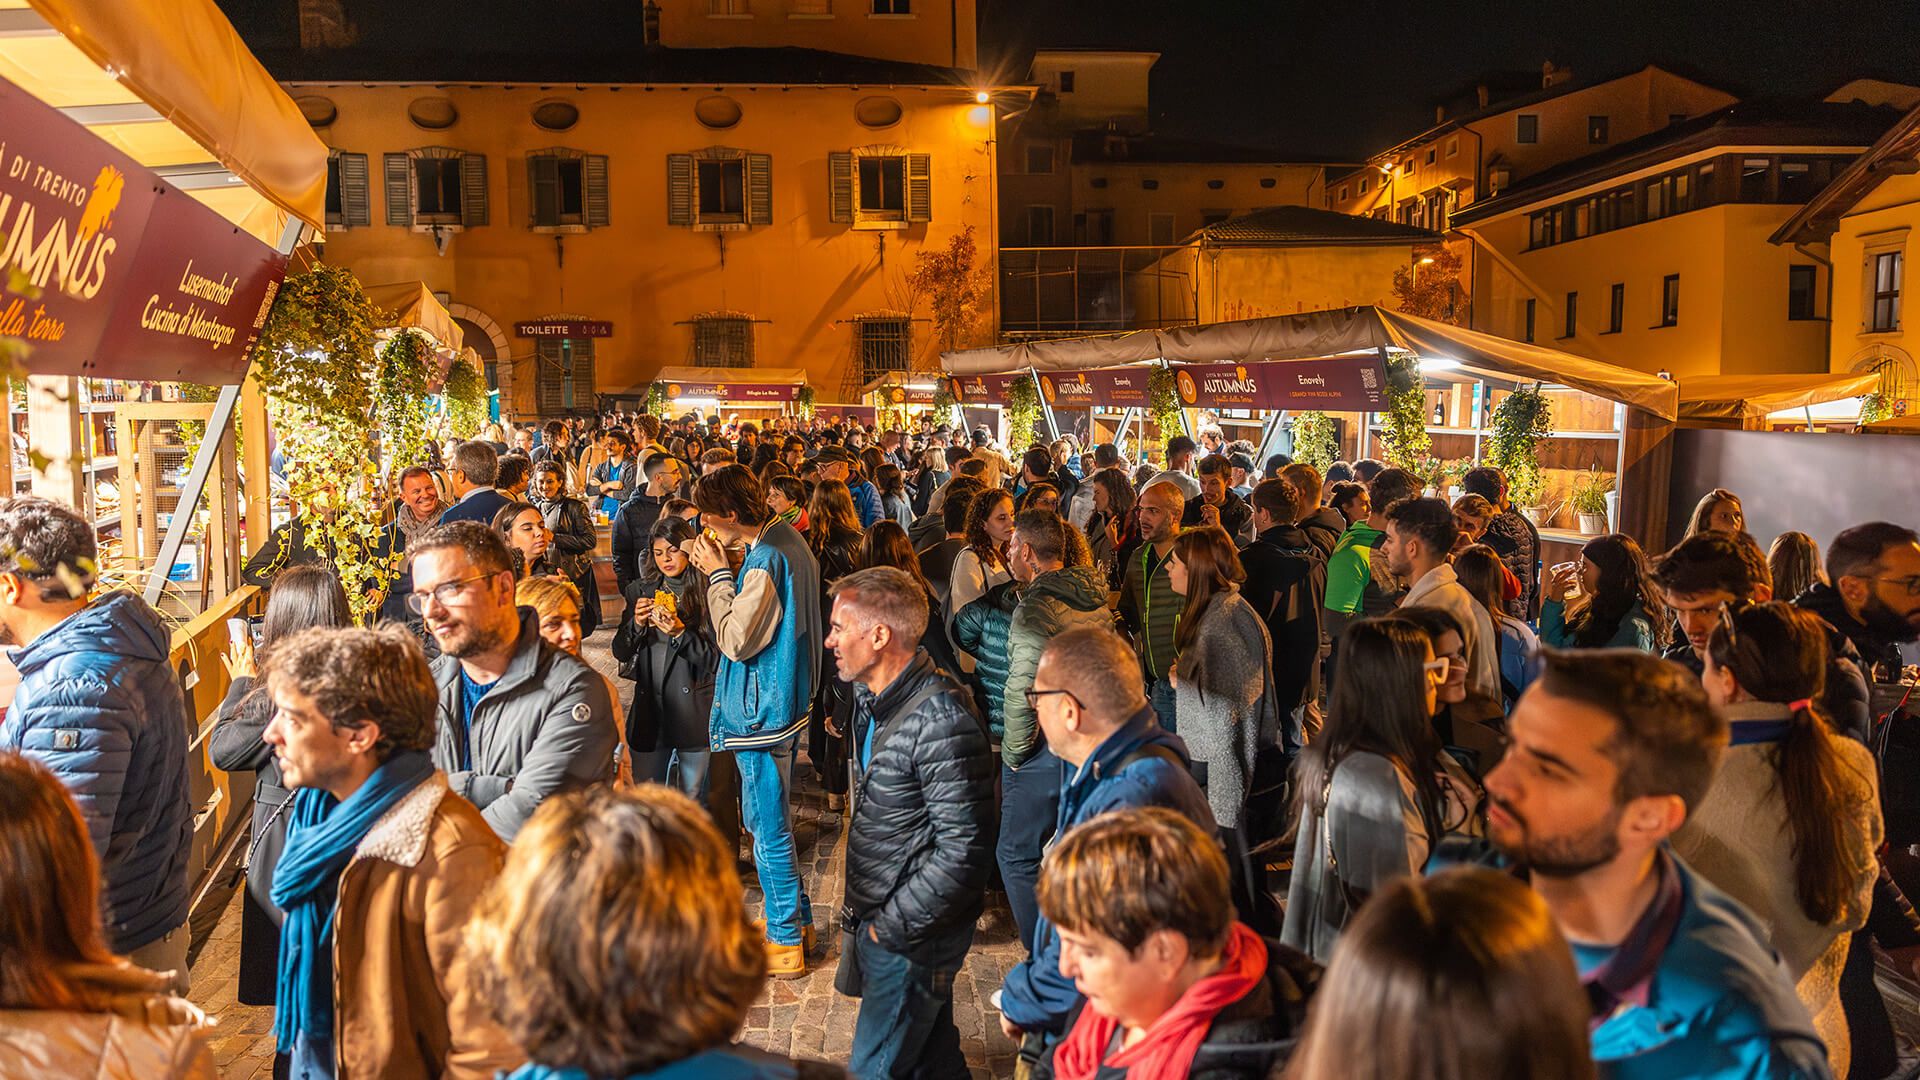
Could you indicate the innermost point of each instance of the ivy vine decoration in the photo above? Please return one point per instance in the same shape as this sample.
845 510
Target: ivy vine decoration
466 392
318 369
400 403
1403 426
943 402
657 398
1315 441
1163 402
1023 411
1520 421
802 402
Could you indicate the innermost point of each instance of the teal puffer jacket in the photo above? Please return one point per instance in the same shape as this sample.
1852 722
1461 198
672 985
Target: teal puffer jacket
981 630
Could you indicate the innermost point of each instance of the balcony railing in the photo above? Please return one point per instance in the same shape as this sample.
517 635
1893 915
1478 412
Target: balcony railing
1064 291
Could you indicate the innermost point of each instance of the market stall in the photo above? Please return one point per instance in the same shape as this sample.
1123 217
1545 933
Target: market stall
154 180
1775 402
899 398
1610 425
753 393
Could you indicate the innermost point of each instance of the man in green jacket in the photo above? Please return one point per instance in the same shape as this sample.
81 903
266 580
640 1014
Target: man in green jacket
1359 583
1054 598
1149 607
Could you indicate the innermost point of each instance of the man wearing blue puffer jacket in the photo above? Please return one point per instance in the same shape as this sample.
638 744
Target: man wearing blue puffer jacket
766 620
99 705
1116 755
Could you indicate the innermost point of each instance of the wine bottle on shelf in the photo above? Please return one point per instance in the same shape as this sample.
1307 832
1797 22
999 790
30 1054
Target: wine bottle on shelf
1439 414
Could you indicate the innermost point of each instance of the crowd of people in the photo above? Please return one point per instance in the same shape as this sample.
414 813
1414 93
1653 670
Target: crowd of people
1279 773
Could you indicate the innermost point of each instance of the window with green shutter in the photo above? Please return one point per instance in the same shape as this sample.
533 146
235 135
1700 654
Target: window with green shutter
566 190
881 187
720 188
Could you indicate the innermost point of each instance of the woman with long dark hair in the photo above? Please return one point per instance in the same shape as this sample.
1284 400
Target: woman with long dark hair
1468 967
69 1006
1370 800
893 494
886 544
983 564
1223 681
1482 573
834 534
1792 822
1111 530
1794 562
1618 606
524 528
303 597
574 539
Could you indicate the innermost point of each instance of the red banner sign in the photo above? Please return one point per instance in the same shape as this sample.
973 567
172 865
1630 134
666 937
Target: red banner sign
1356 384
1117 388
720 391
564 328
982 389
134 278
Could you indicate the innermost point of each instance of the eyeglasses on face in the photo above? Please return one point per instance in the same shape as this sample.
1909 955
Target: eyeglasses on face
1033 697
1911 584
442 594
1437 669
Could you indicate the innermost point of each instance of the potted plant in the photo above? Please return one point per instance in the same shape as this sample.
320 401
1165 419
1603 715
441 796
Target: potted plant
1590 501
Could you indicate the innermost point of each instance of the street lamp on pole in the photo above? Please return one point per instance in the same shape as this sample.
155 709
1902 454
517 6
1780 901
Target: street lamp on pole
1415 273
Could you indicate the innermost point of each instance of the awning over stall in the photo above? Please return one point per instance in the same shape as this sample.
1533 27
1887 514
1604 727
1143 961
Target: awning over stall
172 86
755 384
411 305
1750 397
1329 334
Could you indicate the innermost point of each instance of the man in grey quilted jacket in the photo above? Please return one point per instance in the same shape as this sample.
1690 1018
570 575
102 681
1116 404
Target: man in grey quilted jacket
100 706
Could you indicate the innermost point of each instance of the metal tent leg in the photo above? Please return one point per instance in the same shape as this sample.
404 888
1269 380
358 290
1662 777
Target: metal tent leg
196 485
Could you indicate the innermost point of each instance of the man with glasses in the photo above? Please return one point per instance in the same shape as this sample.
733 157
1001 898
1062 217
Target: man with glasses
1874 598
1097 721
519 719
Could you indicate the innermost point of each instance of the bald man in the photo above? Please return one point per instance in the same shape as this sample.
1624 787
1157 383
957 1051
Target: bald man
1149 606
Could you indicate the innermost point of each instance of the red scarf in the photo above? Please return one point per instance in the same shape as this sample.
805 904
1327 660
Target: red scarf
1173 1040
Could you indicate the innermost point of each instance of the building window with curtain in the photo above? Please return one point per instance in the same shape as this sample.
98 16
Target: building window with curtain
1670 300
1886 292
1617 308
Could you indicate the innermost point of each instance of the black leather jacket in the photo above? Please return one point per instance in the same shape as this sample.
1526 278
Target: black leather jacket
573 535
920 849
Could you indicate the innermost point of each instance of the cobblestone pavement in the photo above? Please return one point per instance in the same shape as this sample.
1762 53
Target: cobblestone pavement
800 1017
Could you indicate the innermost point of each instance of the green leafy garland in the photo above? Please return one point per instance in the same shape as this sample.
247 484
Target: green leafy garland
317 367
466 391
1520 421
657 398
1403 427
943 402
1163 403
803 402
1875 407
1314 440
400 403
1023 410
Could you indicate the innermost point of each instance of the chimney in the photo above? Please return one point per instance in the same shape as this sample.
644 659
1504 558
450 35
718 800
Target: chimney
1482 95
1552 75
324 25
1114 147
1439 114
650 24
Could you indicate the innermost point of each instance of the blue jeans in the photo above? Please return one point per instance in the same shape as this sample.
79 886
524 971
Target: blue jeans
684 770
1029 805
766 785
311 1057
905 1027
1160 696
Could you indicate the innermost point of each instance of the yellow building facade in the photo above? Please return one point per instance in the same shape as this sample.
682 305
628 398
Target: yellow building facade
1485 144
728 207
1863 225
1655 255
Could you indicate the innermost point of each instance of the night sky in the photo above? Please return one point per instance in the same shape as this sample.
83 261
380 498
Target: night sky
1326 80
